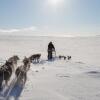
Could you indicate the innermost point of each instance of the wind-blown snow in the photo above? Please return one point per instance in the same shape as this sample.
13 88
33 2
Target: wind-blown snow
77 79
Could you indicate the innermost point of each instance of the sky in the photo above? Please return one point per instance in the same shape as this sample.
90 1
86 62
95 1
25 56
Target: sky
50 17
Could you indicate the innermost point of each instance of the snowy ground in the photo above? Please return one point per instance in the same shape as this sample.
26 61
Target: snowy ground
77 79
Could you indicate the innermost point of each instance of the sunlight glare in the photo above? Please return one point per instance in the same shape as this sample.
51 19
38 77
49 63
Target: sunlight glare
55 3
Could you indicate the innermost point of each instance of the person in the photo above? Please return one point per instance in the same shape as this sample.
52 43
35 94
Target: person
51 49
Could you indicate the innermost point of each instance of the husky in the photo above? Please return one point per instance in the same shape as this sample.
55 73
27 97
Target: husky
64 57
60 57
21 71
14 59
69 57
21 75
5 73
35 58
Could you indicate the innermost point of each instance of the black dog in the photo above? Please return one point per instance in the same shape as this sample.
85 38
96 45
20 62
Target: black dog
62 57
69 57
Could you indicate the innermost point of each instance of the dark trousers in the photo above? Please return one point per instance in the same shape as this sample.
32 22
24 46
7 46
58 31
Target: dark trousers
1 80
49 55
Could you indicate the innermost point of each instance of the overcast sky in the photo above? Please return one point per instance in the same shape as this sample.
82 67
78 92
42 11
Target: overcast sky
59 17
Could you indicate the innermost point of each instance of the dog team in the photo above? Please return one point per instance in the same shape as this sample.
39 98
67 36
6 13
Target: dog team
11 66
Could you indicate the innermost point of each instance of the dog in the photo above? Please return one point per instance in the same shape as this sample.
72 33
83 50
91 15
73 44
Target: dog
14 59
5 72
60 57
69 57
64 57
26 62
21 75
21 71
35 58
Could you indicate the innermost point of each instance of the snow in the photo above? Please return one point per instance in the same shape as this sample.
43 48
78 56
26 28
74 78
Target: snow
77 79
68 81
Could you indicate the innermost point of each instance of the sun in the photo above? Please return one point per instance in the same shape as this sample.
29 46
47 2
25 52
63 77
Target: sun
55 3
